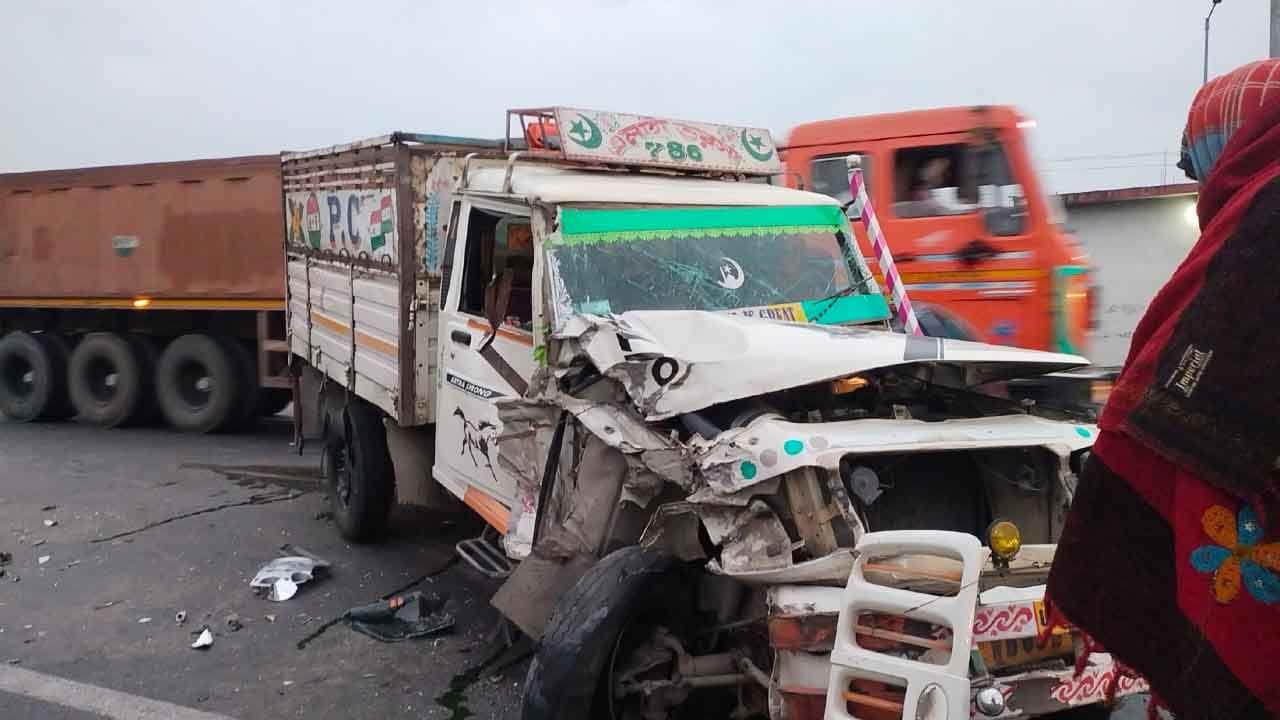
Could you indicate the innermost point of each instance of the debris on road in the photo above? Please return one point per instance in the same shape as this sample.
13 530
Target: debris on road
105 605
205 640
6 558
270 618
37 543
282 590
180 617
50 523
283 575
144 621
233 622
43 559
48 508
381 621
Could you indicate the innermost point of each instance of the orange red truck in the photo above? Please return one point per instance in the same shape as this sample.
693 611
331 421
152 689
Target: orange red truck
975 238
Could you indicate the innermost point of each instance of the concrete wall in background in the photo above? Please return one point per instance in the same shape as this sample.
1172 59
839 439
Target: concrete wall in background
1136 245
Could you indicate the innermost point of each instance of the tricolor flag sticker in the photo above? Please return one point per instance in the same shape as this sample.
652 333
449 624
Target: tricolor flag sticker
380 223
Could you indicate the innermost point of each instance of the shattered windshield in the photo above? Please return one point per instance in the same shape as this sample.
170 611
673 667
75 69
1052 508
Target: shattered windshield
789 263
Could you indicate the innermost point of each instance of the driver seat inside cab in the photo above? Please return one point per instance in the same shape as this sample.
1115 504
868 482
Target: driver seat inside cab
973 234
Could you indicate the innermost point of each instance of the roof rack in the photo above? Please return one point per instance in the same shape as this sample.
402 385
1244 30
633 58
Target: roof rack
602 137
441 141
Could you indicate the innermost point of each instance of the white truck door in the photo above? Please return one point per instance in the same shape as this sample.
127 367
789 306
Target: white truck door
477 365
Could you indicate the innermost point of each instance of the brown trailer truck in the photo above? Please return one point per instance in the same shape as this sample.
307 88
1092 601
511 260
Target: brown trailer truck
134 291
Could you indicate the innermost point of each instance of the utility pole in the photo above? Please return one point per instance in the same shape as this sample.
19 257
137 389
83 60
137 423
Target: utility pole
1214 6
1275 28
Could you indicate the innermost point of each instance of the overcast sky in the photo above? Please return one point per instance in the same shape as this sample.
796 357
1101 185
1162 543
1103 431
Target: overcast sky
88 82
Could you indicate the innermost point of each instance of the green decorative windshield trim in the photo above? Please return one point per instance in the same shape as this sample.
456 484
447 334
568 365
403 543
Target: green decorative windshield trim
603 222
847 309
602 238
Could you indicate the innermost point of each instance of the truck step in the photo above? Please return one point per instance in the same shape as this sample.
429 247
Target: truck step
485 555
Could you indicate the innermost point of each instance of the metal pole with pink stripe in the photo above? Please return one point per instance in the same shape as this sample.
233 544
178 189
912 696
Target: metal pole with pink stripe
897 291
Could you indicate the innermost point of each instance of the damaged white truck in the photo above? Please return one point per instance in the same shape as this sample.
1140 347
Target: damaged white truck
717 485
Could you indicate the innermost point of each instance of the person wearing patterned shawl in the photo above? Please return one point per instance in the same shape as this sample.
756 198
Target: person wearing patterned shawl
1170 558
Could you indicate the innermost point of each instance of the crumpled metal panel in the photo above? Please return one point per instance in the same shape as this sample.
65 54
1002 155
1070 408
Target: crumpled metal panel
681 361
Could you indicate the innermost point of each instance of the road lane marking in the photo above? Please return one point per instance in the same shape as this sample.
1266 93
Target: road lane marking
90 698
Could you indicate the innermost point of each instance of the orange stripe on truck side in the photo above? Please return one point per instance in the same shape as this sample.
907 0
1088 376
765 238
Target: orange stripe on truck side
362 339
487 507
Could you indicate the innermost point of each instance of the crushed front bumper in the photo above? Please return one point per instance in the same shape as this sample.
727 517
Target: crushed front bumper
872 651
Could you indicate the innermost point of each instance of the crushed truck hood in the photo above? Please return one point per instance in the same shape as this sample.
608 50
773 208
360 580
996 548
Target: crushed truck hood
678 361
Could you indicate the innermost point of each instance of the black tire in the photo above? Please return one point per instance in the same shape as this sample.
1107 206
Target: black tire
273 401
59 350
198 384
31 381
360 476
246 411
107 380
564 679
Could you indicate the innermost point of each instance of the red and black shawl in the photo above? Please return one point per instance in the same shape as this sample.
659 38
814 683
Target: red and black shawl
1170 557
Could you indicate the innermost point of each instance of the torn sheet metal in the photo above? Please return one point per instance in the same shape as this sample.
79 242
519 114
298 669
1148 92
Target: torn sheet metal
678 361
674 528
523 445
833 568
750 539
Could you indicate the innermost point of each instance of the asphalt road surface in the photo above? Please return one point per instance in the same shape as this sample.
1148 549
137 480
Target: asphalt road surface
150 523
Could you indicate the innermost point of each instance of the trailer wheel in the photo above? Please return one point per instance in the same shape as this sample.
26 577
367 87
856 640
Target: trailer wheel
571 673
31 378
107 380
360 476
198 384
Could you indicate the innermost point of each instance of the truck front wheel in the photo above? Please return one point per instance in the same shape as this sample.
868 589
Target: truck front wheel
32 377
596 626
359 473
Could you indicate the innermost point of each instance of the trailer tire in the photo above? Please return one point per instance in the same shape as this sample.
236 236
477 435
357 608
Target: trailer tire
198 384
32 379
107 380
360 476
565 673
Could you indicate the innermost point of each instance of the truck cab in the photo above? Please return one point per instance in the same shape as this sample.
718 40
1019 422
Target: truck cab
965 216
675 399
